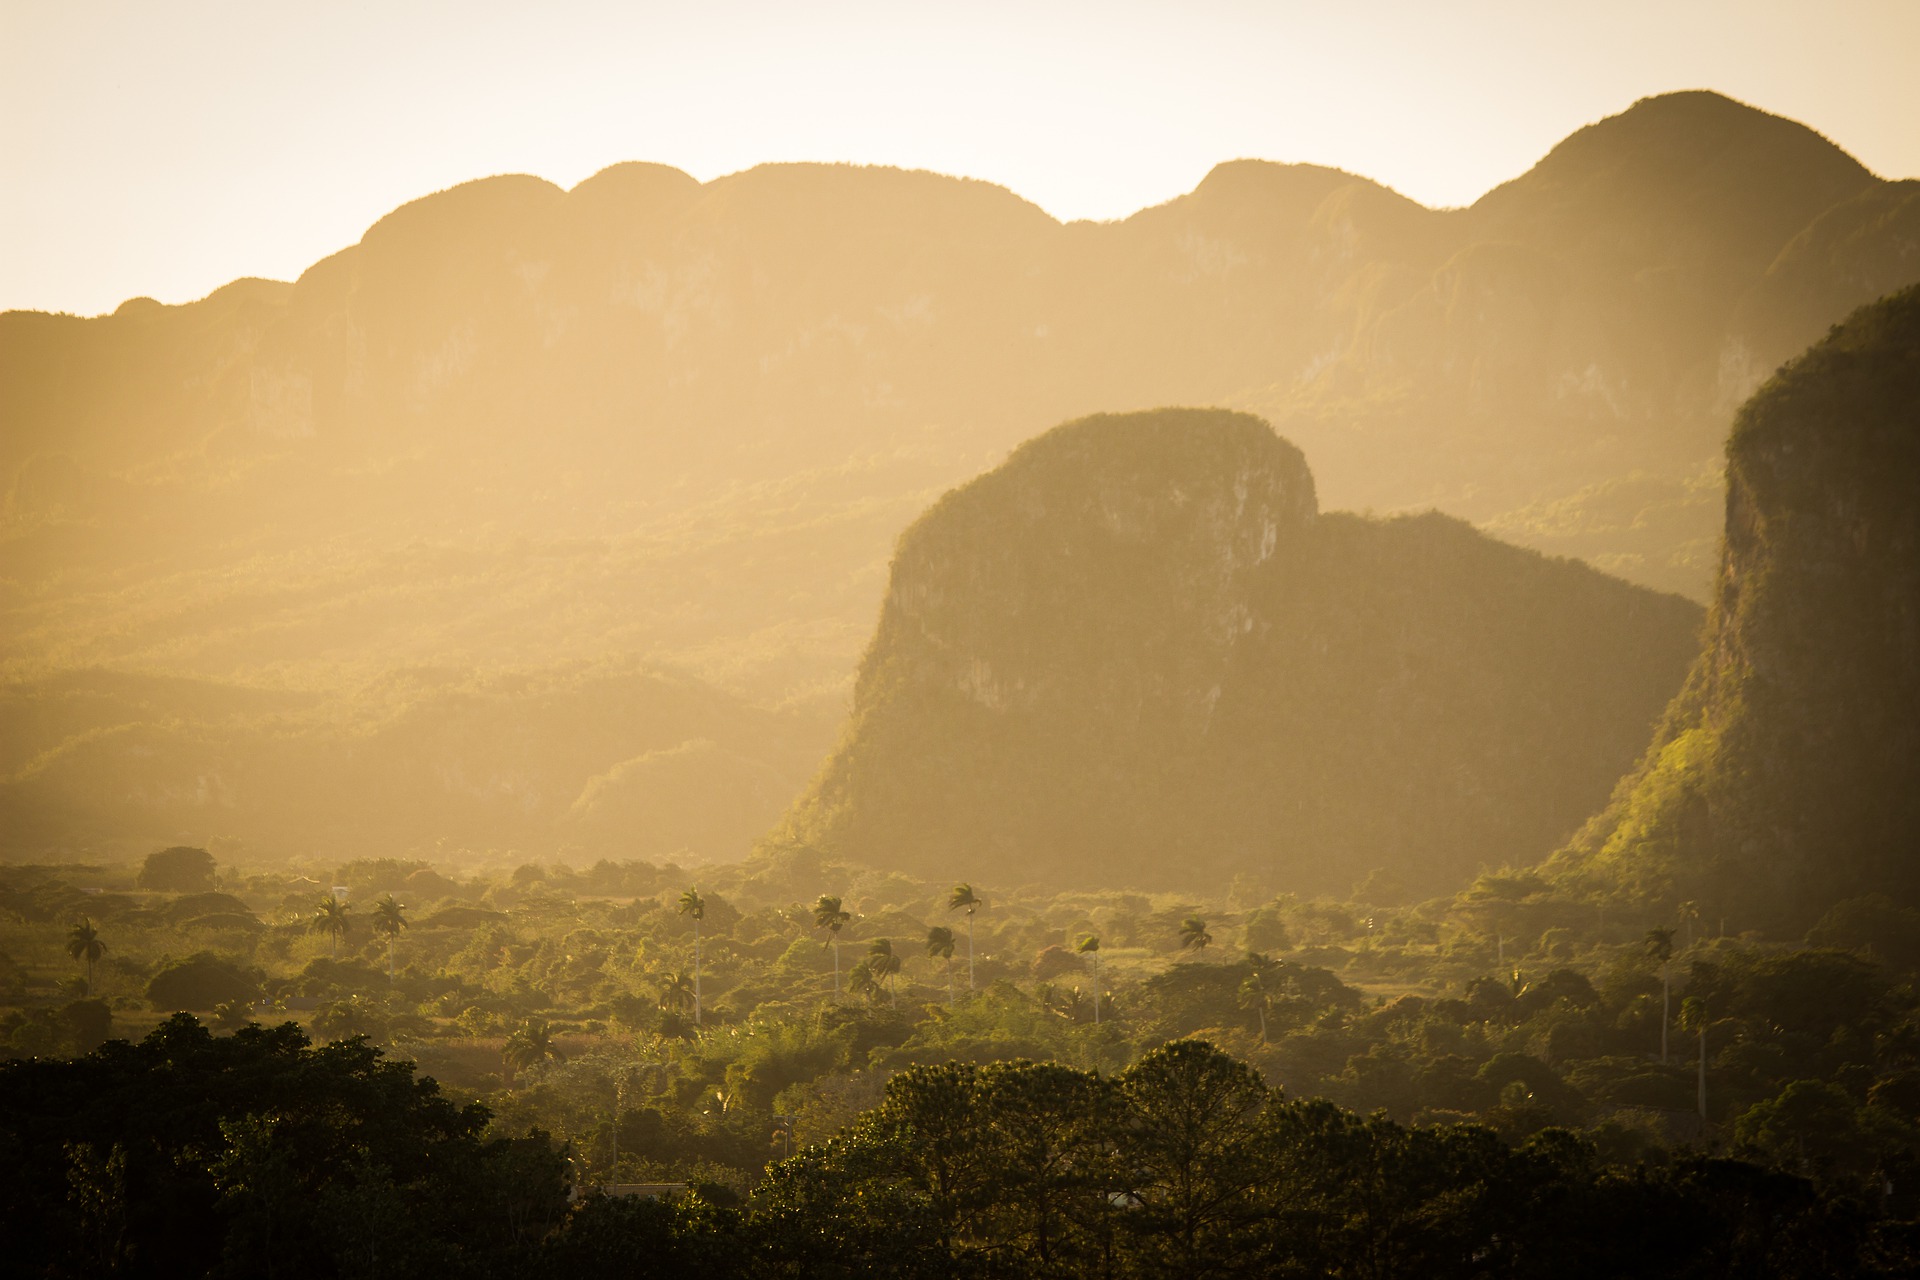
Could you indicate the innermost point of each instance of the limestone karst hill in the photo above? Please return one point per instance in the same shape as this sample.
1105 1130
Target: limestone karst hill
518 429
1785 777
1139 654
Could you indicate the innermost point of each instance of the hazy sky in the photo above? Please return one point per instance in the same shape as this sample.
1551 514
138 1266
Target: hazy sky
165 148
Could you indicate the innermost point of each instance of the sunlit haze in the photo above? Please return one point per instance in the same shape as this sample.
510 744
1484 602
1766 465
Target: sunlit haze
163 150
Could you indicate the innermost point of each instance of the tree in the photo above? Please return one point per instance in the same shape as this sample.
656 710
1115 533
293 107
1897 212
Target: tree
84 945
862 982
331 919
190 1154
828 915
231 1015
1194 936
964 899
181 869
1689 912
1693 1017
676 992
1047 1143
884 963
940 947
1090 945
203 981
530 1044
1660 947
694 908
1194 1150
1255 996
389 917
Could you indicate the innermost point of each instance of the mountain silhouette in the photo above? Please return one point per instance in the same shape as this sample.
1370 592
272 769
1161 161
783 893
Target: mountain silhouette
521 429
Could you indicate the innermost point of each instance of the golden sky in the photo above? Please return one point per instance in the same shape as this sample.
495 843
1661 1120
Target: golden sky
163 149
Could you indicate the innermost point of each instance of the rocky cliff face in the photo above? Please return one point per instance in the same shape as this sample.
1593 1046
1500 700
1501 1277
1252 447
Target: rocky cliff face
1786 776
1137 653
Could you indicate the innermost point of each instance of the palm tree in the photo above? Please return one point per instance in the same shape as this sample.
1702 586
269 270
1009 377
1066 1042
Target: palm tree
860 981
331 919
693 905
389 918
529 1045
964 899
84 945
1660 947
884 963
1689 912
677 993
1194 936
1693 1017
1254 995
940 947
828 915
1090 945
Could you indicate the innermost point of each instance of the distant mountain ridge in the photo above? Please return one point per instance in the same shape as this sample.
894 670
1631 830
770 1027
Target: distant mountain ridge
517 428
1137 654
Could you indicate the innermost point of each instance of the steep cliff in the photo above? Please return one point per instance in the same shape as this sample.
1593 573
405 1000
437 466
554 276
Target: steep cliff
1786 775
1137 653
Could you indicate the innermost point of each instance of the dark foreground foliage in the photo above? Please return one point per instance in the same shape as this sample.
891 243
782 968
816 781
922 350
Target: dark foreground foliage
260 1154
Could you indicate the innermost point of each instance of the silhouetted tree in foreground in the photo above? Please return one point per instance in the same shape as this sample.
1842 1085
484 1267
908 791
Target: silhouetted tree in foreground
261 1154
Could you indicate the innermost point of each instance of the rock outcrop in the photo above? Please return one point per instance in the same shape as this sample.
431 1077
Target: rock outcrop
1786 775
1137 653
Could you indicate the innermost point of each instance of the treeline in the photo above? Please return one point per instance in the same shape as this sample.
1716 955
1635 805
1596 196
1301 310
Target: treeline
261 1154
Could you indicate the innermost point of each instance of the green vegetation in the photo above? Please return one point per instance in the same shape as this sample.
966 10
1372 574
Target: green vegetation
1474 1082
1785 777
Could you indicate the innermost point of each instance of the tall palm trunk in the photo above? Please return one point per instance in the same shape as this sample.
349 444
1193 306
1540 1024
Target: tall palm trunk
1096 988
1703 1069
969 952
696 972
836 970
949 977
1666 1014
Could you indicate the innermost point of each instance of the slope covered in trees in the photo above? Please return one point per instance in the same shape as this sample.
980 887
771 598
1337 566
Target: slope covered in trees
1785 777
517 429
1137 653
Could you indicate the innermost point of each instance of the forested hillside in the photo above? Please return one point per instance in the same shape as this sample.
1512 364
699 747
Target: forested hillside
1137 654
1786 776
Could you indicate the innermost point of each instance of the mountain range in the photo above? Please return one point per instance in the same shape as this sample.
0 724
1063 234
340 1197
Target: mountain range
526 441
